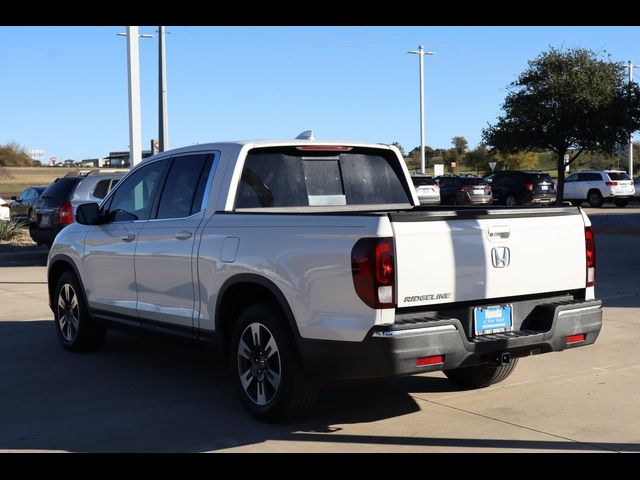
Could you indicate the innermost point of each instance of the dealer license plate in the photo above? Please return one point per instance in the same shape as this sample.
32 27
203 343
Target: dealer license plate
494 319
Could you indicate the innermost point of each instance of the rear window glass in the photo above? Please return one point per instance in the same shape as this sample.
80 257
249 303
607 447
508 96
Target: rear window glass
618 176
61 188
472 181
540 177
418 181
292 178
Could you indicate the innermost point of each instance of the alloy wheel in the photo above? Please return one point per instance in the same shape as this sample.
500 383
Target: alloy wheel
68 312
259 364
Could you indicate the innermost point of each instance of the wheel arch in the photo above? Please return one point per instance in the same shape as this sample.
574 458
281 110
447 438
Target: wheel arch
231 302
57 266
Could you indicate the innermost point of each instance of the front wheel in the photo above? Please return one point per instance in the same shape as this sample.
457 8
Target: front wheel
265 366
481 375
76 330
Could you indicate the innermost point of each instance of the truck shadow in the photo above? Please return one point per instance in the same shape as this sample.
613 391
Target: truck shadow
156 395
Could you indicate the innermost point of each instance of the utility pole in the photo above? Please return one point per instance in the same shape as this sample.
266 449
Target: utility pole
631 66
133 68
163 127
421 53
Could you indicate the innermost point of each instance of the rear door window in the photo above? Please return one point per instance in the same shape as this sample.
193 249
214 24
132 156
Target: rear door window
184 188
101 189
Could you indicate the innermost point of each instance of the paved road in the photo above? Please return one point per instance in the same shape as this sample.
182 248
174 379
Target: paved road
152 395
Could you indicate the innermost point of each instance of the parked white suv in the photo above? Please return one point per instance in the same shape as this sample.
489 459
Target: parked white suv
599 186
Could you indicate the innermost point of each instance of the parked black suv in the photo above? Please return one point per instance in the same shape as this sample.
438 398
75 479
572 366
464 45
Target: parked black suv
513 187
56 207
463 190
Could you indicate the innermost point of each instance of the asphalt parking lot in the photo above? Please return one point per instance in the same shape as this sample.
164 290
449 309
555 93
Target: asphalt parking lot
151 395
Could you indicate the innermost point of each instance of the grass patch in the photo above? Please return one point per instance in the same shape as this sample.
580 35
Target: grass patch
15 179
10 230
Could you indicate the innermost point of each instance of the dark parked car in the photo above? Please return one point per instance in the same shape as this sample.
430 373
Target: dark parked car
23 204
514 187
463 190
57 205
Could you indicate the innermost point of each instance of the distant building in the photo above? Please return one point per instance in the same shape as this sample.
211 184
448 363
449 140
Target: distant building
121 159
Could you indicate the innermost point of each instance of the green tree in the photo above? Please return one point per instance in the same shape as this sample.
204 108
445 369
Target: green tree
460 144
397 144
478 159
569 102
517 161
13 155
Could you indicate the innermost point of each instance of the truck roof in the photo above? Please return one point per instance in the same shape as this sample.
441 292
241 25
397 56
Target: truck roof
239 144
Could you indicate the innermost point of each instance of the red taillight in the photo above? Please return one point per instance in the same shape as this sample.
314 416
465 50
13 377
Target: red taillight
465 188
325 148
612 184
66 213
424 361
373 270
528 186
590 248
581 337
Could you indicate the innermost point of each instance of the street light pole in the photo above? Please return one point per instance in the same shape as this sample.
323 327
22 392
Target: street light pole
631 66
421 53
163 128
133 68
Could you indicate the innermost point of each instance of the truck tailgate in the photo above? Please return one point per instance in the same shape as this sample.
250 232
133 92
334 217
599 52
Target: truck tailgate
467 255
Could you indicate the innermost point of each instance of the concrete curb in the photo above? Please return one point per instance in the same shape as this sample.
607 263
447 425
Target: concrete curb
40 253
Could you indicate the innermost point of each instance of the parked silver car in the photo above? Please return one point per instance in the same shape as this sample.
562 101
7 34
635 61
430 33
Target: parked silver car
427 189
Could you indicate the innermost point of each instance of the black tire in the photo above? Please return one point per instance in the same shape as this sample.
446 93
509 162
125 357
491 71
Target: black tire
510 201
621 202
482 375
594 197
275 384
576 203
75 328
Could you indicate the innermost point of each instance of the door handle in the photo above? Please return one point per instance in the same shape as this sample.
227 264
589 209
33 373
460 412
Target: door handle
129 238
183 235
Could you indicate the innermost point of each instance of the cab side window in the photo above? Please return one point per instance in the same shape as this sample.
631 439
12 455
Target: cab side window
133 200
184 188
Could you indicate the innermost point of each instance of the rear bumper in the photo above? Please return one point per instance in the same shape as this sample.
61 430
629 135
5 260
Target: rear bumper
43 235
429 200
393 350
614 196
543 199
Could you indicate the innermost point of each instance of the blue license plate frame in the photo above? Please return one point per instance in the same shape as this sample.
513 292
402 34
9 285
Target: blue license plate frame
493 319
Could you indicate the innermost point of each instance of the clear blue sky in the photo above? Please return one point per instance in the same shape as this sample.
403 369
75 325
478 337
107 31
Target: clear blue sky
64 89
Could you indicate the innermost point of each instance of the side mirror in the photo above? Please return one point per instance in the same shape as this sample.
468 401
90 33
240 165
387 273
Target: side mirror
87 214
14 198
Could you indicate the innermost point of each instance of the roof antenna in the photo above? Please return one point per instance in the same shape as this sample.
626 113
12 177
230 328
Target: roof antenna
306 135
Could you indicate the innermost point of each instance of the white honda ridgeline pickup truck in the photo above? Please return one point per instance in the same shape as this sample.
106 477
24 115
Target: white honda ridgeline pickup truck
307 260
